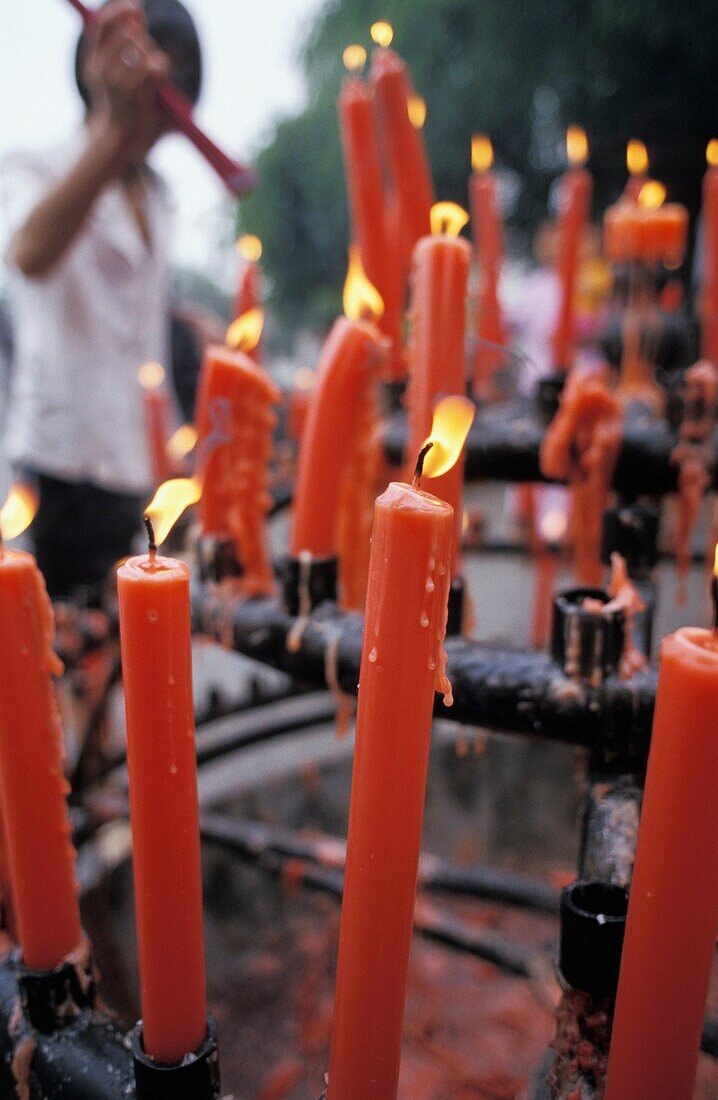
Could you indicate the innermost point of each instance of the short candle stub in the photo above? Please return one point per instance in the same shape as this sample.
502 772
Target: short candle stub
52 999
585 641
307 582
196 1077
593 921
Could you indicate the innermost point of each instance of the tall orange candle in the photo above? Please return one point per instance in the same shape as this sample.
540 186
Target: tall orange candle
709 303
350 361
153 594
574 209
488 241
401 667
248 295
437 352
403 142
157 413
673 908
32 781
368 207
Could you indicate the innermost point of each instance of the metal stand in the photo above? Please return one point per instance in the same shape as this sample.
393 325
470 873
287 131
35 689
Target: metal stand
195 1078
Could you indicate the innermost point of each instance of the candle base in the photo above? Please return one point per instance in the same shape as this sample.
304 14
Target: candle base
587 644
307 582
52 999
548 395
455 617
217 558
593 921
196 1077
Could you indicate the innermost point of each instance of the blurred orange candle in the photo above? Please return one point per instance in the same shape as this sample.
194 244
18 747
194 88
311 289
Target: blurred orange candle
637 165
401 667
673 910
350 360
437 355
157 412
574 210
489 245
248 295
32 780
709 303
153 597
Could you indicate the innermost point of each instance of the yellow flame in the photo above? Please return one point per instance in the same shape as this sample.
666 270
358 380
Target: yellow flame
576 146
553 526
182 442
448 218
361 299
652 195
715 562
712 152
18 511
151 375
453 417
416 106
354 58
249 248
636 157
382 33
169 502
482 152
304 379
245 333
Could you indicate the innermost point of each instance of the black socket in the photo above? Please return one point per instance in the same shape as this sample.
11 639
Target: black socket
52 999
593 921
307 582
196 1077
455 617
548 395
632 531
217 558
586 643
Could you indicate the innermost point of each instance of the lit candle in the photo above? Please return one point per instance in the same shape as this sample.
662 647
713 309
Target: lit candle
157 413
437 352
670 935
488 241
350 361
402 141
709 291
32 779
153 595
637 165
402 665
234 425
574 209
248 296
367 204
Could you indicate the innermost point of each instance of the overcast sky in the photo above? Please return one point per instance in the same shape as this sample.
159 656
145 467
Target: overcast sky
251 76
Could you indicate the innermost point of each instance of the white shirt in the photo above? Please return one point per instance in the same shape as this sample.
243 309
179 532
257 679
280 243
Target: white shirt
82 332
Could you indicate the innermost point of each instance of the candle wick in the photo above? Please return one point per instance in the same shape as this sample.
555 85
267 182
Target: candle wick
419 468
151 537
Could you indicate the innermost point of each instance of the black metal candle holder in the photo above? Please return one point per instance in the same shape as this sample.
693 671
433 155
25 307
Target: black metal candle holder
586 641
548 395
217 558
196 1077
593 921
51 999
308 581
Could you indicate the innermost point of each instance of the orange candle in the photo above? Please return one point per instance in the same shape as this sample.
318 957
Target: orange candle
157 413
32 780
709 304
637 165
153 597
234 425
248 295
673 909
574 209
367 206
350 361
403 144
489 245
437 356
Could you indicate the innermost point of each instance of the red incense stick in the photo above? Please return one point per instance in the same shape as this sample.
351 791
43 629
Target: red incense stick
238 178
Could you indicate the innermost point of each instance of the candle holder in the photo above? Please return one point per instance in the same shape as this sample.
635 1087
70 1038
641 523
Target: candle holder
196 1077
217 558
593 921
632 531
586 642
52 999
455 617
308 581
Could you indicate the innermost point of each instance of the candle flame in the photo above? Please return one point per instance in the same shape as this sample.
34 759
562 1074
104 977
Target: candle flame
18 511
151 375
249 248
453 417
245 333
182 442
553 526
448 218
416 106
361 299
652 195
712 152
482 152
382 33
304 379
715 562
576 146
169 502
354 58
636 157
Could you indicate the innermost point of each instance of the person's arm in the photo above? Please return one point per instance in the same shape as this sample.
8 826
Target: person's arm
122 69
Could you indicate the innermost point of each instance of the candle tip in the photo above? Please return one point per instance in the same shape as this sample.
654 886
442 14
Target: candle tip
150 536
419 468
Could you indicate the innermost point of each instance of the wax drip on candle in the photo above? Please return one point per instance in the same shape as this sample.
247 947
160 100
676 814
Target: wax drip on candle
419 468
151 538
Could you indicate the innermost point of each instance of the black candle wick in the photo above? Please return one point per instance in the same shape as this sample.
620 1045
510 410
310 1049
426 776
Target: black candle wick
419 468
150 535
